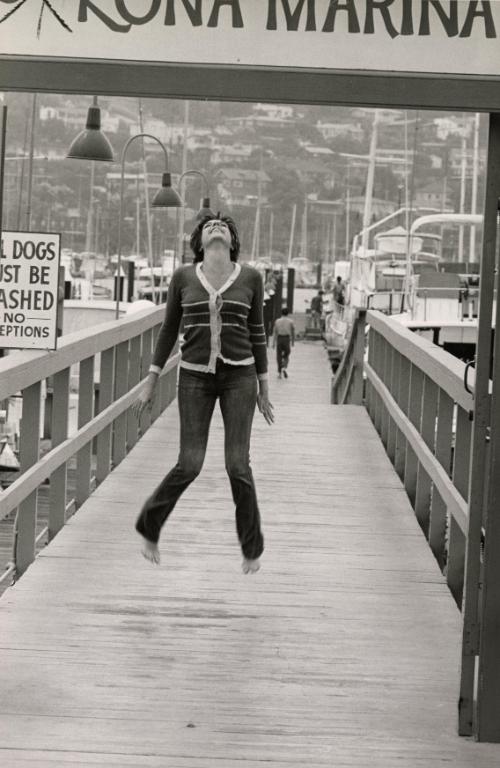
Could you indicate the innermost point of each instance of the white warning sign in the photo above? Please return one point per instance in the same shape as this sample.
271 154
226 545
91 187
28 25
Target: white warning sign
29 278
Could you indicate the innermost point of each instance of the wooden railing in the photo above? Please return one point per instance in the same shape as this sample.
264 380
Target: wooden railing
102 368
347 384
416 399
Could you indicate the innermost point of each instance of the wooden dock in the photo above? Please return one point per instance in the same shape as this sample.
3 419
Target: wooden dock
342 651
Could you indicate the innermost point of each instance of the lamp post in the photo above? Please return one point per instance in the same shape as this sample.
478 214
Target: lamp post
91 143
205 209
166 197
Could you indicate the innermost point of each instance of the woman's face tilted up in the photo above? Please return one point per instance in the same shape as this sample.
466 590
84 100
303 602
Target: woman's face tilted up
213 231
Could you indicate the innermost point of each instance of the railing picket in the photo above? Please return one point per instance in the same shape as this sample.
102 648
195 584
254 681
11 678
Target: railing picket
85 414
457 541
428 432
416 386
29 452
58 480
403 401
97 413
146 357
134 376
393 386
121 388
385 375
106 389
438 515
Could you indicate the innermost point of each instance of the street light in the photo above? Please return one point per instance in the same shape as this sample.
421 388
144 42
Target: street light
91 144
166 197
205 209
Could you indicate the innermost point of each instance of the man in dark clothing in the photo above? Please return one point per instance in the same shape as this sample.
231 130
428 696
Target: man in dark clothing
283 336
317 309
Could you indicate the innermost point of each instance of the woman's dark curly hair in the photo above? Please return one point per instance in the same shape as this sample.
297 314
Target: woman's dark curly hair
195 241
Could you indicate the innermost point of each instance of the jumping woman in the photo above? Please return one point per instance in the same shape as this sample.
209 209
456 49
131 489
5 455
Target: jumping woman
223 356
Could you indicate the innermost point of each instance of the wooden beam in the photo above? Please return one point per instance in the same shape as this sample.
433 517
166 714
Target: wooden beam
291 85
482 418
488 693
454 501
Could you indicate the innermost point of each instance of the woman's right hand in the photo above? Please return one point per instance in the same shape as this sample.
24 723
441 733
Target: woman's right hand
146 397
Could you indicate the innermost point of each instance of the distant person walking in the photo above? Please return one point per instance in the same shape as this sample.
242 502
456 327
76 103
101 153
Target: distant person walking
283 340
223 356
339 291
317 309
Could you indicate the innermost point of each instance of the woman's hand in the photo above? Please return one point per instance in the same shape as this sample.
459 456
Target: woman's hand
146 397
263 402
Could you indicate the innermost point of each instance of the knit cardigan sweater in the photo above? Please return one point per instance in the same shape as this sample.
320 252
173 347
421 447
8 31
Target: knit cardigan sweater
225 324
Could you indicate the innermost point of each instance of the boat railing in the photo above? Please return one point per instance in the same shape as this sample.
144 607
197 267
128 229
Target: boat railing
99 372
389 302
443 303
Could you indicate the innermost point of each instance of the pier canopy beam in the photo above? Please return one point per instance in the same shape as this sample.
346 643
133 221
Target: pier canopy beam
488 675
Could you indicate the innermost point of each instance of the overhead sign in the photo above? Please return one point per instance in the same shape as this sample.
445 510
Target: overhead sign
429 36
29 281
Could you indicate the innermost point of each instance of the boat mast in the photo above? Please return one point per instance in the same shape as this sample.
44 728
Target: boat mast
369 182
475 167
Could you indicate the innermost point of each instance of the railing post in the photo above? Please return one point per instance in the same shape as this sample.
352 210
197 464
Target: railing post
29 451
437 520
146 357
414 414
488 693
85 413
358 359
428 432
484 721
456 543
121 388
106 389
402 399
134 376
57 514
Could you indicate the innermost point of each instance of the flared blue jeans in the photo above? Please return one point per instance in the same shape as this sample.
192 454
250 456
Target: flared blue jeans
236 389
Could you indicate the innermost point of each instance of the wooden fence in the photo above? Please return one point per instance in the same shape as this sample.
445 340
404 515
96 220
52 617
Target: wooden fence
103 369
415 395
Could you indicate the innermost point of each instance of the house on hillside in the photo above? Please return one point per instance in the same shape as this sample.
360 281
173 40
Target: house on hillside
314 173
333 130
379 207
236 186
325 153
232 153
274 111
432 197
168 133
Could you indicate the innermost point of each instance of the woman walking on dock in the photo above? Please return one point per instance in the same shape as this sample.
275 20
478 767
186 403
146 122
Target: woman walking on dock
223 356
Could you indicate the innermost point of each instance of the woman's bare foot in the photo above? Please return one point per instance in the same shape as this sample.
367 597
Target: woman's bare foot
151 552
250 566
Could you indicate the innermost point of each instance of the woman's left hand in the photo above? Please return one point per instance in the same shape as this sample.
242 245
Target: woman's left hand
264 404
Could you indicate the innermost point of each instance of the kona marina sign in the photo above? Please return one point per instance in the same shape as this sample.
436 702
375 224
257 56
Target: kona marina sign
206 49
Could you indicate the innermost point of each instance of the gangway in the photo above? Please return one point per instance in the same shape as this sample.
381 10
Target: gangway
342 650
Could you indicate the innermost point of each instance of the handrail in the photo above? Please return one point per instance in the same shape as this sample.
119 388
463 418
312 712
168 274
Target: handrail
416 398
105 431
441 367
21 369
35 476
347 383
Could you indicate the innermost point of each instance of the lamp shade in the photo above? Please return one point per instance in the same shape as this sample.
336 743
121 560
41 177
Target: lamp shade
167 197
205 209
91 144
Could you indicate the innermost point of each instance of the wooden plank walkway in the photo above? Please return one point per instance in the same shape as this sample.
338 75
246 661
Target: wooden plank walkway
342 651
